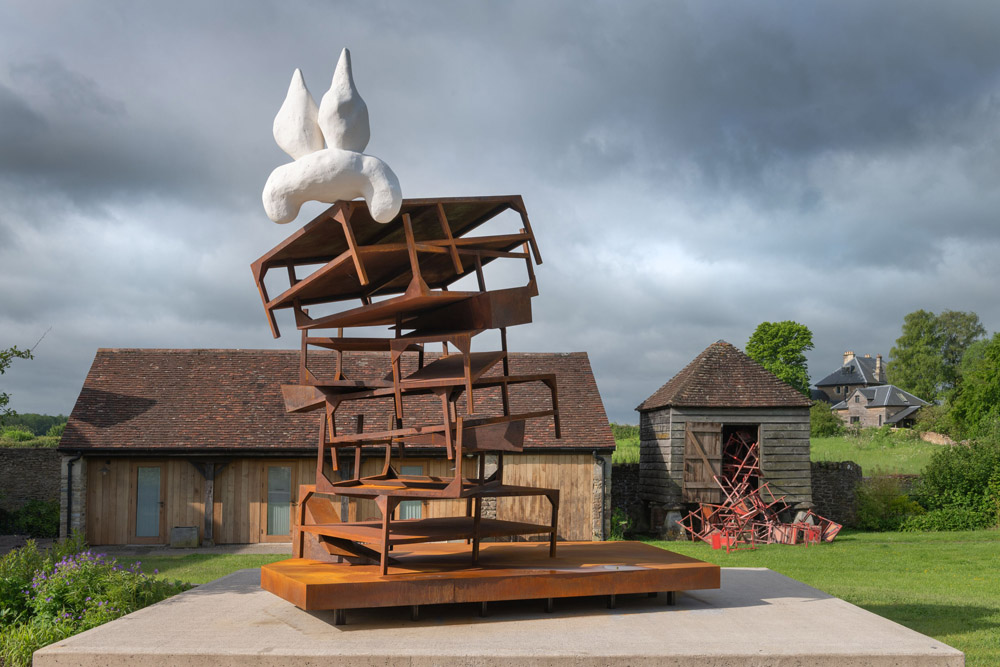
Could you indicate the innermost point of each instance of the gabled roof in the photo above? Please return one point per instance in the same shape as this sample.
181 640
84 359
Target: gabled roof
218 400
860 370
902 414
884 396
724 377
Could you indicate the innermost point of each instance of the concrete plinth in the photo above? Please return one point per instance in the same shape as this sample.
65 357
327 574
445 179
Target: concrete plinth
758 617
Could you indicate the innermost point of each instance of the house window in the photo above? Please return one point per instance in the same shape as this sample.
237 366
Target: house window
855 420
857 399
880 420
411 509
838 388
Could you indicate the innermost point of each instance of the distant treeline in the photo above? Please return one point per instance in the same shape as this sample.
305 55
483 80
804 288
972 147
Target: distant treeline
624 431
37 424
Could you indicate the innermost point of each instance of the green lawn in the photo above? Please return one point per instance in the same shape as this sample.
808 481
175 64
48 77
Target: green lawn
201 568
945 585
900 453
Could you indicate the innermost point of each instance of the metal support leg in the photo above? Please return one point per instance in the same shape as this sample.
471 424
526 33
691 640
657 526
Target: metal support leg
484 609
340 617
611 601
414 612
671 598
549 605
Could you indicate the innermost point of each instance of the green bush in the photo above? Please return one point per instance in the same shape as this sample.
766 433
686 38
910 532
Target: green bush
56 430
624 431
936 418
45 597
964 479
955 518
36 518
620 523
882 504
17 434
822 422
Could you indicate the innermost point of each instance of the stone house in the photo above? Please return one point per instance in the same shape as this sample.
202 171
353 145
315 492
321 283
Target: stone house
876 406
200 439
855 373
684 428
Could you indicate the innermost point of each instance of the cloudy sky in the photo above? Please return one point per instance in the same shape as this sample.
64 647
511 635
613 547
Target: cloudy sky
691 169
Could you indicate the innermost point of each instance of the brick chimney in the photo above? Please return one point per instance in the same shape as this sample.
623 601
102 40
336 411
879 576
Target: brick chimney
848 357
879 369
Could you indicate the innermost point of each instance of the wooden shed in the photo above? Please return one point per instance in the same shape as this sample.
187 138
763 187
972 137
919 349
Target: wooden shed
200 439
686 423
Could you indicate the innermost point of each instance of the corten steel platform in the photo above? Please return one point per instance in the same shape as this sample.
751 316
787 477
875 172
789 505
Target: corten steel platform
442 573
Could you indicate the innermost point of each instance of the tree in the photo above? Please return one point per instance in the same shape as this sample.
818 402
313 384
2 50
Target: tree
822 422
780 347
7 357
926 360
976 405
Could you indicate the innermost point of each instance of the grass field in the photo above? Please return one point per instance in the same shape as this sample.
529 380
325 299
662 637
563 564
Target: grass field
945 585
900 453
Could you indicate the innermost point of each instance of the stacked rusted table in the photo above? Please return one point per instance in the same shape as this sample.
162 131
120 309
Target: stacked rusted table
400 279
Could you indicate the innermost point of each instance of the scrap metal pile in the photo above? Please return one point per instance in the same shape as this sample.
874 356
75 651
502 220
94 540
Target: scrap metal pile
749 513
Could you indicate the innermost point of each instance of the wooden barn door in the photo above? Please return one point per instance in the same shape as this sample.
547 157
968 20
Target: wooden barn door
702 460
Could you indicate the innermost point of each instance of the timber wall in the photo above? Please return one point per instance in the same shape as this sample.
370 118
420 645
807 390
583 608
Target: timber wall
107 493
784 449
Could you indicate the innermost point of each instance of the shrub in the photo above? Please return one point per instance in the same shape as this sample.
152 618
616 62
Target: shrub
620 524
822 422
36 518
964 479
17 434
955 518
56 430
882 503
936 418
47 597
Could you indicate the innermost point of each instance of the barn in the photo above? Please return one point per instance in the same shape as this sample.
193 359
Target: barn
685 425
200 439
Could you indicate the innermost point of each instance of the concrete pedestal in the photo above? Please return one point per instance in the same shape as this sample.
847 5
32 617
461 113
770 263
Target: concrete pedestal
758 617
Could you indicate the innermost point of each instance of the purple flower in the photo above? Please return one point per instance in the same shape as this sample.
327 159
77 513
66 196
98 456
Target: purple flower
156 571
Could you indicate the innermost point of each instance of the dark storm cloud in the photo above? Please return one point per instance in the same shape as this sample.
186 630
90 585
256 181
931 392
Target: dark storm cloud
691 169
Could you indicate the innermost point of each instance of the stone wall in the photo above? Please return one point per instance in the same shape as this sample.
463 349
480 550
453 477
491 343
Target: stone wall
28 474
833 485
76 518
625 495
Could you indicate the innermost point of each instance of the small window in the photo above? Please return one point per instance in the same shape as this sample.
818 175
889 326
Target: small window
855 420
880 420
838 389
857 399
411 509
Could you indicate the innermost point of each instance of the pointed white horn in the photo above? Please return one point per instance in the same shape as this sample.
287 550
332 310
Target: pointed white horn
296 126
343 115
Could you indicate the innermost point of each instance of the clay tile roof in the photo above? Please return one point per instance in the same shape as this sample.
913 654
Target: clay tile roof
190 400
724 377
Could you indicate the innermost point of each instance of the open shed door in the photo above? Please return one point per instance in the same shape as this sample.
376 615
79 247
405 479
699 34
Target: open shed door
702 460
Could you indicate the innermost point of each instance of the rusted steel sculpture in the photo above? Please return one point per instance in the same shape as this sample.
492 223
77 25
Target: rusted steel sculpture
749 513
398 275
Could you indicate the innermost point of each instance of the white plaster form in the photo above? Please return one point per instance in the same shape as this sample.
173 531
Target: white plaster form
339 172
